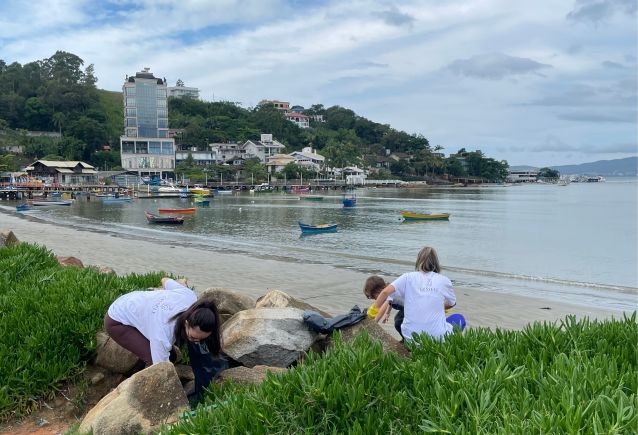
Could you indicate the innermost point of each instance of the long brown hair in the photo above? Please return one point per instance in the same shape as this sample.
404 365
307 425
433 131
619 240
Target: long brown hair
427 261
204 315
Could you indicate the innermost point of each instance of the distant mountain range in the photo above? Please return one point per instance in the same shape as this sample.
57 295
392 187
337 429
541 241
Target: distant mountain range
609 168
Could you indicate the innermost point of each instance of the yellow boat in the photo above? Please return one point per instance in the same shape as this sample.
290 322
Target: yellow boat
199 190
409 216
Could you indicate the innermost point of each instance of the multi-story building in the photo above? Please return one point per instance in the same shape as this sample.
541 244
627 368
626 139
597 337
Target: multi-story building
308 158
183 91
146 147
301 120
279 105
262 149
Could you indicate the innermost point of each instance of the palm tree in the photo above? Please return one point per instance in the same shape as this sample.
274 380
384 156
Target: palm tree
58 119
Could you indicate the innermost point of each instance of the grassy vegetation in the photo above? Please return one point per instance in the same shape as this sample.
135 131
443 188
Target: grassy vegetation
575 377
49 316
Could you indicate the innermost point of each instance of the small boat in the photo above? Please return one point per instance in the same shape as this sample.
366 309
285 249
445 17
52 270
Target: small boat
116 199
177 210
321 228
408 216
349 200
224 191
199 190
23 207
169 189
299 189
200 200
154 219
311 197
47 202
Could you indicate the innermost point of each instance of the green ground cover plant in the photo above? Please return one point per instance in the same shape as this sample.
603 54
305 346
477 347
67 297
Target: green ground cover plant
49 316
570 377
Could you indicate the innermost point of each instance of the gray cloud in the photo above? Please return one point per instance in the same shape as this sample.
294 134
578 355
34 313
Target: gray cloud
599 10
588 116
612 65
619 93
369 64
395 18
495 66
553 144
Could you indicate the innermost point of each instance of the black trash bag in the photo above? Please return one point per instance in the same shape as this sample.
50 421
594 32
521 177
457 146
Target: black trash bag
326 325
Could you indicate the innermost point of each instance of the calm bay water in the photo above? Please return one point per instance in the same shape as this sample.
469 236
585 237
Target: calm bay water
576 243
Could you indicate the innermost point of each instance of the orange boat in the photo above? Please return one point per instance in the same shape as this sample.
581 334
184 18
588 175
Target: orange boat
177 210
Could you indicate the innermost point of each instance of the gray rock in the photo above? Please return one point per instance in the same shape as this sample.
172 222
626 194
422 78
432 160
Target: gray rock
112 356
7 238
279 299
229 302
141 404
267 336
245 375
376 332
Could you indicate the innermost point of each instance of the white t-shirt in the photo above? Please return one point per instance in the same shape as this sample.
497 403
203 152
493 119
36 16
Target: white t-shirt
150 312
424 295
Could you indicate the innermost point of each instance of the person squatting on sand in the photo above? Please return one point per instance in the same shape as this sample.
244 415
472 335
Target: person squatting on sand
426 295
149 322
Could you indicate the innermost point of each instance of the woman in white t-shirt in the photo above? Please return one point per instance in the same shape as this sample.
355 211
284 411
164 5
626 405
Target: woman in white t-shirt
426 295
149 322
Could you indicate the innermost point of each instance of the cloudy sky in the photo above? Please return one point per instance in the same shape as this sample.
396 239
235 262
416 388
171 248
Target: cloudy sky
543 82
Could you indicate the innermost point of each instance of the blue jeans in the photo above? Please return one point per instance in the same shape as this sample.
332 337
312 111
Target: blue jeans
205 366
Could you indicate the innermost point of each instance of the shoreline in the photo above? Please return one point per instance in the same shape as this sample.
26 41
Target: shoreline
329 288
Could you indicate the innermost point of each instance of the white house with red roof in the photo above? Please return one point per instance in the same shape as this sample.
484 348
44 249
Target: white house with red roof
300 119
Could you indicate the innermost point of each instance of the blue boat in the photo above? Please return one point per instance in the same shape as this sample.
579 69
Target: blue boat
350 201
321 228
23 207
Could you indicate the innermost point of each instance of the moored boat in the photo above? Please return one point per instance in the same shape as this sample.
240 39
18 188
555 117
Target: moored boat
321 228
23 207
190 210
47 202
154 219
349 200
409 216
199 190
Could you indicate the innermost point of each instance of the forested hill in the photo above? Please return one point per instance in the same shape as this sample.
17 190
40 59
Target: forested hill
616 167
60 94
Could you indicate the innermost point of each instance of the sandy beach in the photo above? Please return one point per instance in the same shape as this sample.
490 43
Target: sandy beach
334 290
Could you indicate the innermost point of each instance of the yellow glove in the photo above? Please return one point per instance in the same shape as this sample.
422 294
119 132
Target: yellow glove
373 311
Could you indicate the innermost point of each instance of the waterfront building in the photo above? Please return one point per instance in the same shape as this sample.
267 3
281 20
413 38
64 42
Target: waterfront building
278 162
201 158
62 173
301 120
146 147
225 151
308 158
528 176
262 149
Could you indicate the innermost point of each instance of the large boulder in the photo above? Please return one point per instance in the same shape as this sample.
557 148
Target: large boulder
141 404
229 302
245 375
279 299
7 238
267 336
375 331
112 356
69 261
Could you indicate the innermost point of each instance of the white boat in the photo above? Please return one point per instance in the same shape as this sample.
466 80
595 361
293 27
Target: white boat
169 189
47 202
563 182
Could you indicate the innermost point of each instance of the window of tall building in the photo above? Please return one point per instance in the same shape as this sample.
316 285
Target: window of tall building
167 147
154 147
128 146
131 111
162 133
162 123
130 91
141 147
131 122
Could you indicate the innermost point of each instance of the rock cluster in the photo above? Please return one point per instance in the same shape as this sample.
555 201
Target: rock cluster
267 335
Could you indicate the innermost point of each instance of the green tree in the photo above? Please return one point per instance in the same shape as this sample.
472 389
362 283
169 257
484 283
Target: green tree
548 173
255 170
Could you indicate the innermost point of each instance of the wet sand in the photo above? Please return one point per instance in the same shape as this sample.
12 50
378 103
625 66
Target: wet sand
328 288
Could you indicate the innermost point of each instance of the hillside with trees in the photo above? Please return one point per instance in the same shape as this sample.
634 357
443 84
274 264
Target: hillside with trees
59 94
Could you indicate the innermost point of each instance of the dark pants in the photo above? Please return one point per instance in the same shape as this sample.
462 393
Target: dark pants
205 366
398 317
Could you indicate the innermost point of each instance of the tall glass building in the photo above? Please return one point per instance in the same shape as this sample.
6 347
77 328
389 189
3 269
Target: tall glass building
145 147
